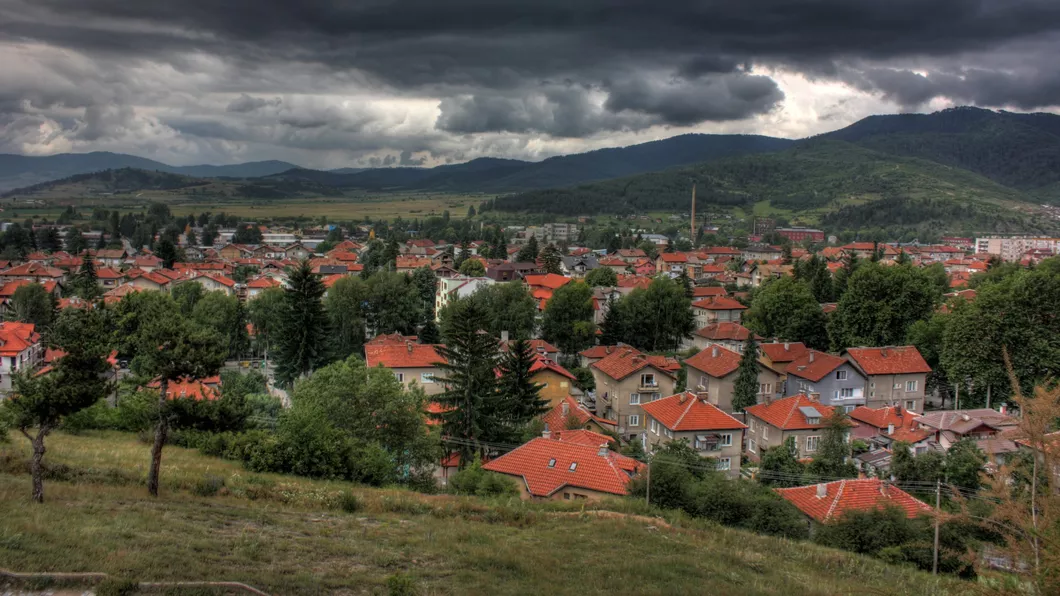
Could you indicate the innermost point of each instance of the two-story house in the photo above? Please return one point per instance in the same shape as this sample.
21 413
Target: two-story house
672 263
626 379
20 350
835 380
731 336
691 417
798 416
412 363
779 355
568 414
883 427
897 375
950 426
714 371
717 309
555 381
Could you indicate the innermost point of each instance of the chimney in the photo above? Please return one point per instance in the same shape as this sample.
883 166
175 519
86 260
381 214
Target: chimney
815 396
822 490
408 346
883 353
811 355
787 347
1004 408
890 429
684 396
703 396
546 434
714 351
504 337
603 450
566 408
898 410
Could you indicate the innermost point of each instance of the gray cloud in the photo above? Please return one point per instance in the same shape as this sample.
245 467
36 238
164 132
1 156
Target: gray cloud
245 103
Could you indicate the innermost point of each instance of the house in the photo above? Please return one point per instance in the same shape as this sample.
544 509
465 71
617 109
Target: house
453 288
798 416
208 389
20 349
108 277
37 272
761 252
897 375
673 263
231 252
700 292
511 271
542 286
539 346
835 380
765 272
7 291
714 371
559 470
577 267
731 336
296 251
569 414
614 263
882 427
555 380
596 353
261 283
110 257
717 309
408 264
631 255
950 426
691 417
148 280
625 379
210 283
411 362
116 294
874 464
829 501
779 355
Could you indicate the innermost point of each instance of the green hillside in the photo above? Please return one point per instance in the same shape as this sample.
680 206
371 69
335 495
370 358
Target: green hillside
815 180
286 535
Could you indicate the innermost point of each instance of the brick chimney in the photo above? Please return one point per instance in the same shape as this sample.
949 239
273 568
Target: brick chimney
787 347
703 396
683 397
822 490
408 346
811 356
714 351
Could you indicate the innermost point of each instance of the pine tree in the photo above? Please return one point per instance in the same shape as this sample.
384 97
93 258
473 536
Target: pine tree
551 261
686 283
102 242
304 328
520 397
86 283
469 402
528 254
745 390
429 333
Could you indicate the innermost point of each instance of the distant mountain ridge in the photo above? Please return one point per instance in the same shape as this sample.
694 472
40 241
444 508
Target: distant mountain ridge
18 171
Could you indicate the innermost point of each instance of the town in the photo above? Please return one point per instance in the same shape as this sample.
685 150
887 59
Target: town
777 378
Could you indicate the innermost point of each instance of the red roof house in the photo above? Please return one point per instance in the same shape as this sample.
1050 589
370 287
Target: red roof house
829 501
557 470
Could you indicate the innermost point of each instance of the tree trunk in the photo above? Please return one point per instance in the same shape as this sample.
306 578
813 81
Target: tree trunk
161 430
36 470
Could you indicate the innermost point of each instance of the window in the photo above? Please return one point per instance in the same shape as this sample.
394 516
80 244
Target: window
753 425
647 380
897 385
910 404
704 381
634 420
654 426
811 443
634 399
669 433
426 377
910 386
846 392
573 466
841 375
764 388
552 463
400 377
752 446
765 432
726 440
655 396
725 463
566 496
849 409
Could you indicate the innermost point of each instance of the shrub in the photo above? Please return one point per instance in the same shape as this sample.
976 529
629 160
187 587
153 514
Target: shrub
208 486
116 586
349 502
473 480
402 584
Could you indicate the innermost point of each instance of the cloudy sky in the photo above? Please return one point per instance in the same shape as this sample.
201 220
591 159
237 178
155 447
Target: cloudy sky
333 83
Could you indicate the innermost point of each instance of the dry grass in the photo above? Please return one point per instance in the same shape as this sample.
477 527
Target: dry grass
288 536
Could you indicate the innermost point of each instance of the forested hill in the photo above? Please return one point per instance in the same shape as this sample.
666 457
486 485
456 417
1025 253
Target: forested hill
1017 150
816 178
501 175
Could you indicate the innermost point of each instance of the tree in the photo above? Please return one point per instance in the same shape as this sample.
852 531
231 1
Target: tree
394 304
209 235
247 234
429 333
786 309
31 303
469 404
426 284
187 295
814 271
171 348
190 238
964 464
568 319
551 262
881 304
745 389
265 312
75 241
48 239
520 400
167 251
344 305
304 326
86 282
472 268
653 319
507 307
77 380
528 253
602 277
780 466
225 315
114 225
833 451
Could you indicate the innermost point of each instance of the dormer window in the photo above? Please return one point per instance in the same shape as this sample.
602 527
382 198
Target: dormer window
552 463
573 466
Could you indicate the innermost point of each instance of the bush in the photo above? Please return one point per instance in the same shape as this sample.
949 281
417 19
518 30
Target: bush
116 586
401 584
349 502
473 480
208 486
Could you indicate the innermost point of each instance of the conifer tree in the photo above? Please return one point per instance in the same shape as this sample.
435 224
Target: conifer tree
520 397
550 260
86 284
528 253
304 327
745 390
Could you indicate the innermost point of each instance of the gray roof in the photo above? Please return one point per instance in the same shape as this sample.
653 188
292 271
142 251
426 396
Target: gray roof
809 411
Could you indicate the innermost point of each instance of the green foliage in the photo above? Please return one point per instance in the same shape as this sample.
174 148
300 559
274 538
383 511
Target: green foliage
303 330
551 261
880 304
472 268
265 312
745 389
504 307
832 459
780 466
473 480
602 277
395 304
225 315
654 319
403 584
349 502
519 400
568 320
187 295
85 282
31 303
528 253
964 464
786 309
814 271
344 305
247 234
208 486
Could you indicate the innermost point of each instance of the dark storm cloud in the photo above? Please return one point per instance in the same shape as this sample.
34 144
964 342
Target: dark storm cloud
555 68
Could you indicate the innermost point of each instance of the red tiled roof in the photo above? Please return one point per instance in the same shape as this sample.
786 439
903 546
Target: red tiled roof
264 282
729 331
555 419
405 355
604 351
541 363
548 280
686 412
33 270
109 273
851 495
708 291
608 473
896 360
716 361
393 339
403 262
196 389
783 351
814 365
16 337
906 428
626 361
634 281
718 303
785 414
673 257
580 436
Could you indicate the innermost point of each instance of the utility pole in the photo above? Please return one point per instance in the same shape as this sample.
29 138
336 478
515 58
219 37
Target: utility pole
938 499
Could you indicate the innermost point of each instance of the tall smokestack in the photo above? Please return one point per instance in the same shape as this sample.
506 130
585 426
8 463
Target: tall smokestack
693 229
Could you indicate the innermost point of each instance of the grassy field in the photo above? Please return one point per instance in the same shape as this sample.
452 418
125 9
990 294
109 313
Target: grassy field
289 536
